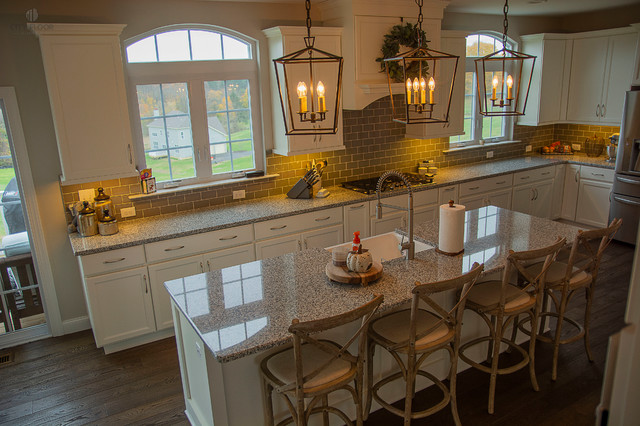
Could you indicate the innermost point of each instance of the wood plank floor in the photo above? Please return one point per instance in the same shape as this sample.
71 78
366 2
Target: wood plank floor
67 380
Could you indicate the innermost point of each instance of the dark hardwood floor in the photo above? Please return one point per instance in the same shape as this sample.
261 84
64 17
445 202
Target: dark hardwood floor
67 380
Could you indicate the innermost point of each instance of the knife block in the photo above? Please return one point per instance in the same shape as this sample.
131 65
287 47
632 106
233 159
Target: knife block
300 190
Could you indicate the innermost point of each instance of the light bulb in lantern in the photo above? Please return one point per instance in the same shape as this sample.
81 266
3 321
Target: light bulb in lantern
302 96
416 91
509 87
423 91
432 87
409 85
495 88
321 102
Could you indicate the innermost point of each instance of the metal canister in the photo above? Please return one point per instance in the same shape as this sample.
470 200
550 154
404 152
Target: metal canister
87 221
108 225
102 202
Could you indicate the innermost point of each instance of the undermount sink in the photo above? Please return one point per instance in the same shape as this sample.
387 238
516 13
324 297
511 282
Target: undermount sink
383 247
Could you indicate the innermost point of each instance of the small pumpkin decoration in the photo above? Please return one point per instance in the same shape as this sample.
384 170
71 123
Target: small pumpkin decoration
359 261
400 35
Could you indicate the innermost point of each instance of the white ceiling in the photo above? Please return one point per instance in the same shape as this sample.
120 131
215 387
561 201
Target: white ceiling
536 7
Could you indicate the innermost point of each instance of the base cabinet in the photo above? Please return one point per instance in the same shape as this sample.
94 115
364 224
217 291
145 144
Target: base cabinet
570 193
593 203
501 198
120 305
534 199
356 218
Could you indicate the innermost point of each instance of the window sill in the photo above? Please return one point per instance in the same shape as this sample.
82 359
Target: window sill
168 191
486 145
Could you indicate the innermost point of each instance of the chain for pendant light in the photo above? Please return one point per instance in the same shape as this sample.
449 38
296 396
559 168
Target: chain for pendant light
307 5
505 23
420 19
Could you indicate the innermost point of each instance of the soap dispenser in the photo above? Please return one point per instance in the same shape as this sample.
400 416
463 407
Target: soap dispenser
356 246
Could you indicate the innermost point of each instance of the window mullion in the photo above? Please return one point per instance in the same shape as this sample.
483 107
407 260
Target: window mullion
200 129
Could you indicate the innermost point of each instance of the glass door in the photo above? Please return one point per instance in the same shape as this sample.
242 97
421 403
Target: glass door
21 304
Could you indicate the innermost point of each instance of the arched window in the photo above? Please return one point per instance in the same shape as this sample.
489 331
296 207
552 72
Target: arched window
196 93
476 126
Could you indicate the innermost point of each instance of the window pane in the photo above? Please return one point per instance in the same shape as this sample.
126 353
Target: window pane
235 49
242 155
142 51
238 94
240 125
205 45
166 130
472 45
173 46
216 97
218 127
485 46
220 158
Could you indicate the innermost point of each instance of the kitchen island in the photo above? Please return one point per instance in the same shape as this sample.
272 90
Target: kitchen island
225 319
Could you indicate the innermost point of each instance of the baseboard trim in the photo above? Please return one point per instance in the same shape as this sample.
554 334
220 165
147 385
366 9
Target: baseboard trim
137 341
26 335
76 324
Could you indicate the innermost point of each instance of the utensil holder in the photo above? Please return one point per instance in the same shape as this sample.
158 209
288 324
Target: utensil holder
300 190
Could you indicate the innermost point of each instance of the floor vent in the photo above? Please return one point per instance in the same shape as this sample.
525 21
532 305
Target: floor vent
6 358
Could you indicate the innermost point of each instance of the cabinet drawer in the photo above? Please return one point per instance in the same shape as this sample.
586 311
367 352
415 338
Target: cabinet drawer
114 260
447 193
192 244
596 173
485 185
420 198
297 223
528 176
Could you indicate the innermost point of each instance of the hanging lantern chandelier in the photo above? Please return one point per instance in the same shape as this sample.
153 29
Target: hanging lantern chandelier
428 80
504 78
310 86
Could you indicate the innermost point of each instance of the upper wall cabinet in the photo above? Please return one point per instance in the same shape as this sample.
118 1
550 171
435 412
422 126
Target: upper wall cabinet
285 40
85 79
636 68
365 23
547 102
602 65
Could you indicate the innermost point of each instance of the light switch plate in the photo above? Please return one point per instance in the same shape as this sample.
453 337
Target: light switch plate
527 148
128 211
576 146
237 195
489 154
86 195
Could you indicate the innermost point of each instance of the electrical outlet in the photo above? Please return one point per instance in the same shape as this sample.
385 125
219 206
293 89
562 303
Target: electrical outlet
489 154
128 211
576 146
237 195
86 195
527 148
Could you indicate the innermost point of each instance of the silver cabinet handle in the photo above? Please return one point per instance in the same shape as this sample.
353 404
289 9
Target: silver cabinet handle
626 201
524 177
275 228
107 262
597 174
208 266
536 190
545 173
598 111
174 248
299 245
357 207
577 176
228 238
627 180
604 111
201 267
130 154
449 189
198 154
146 287
473 188
502 182
305 245
533 197
322 219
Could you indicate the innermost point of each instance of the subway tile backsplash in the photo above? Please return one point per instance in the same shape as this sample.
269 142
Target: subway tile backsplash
373 143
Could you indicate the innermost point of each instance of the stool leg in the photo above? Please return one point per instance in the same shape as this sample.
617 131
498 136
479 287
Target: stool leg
452 385
556 340
267 390
410 388
325 413
587 320
371 347
494 363
532 354
491 341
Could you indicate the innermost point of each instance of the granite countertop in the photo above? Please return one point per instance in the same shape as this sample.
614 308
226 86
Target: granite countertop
246 309
164 227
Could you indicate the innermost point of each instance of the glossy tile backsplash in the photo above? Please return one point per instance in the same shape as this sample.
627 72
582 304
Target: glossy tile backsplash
373 143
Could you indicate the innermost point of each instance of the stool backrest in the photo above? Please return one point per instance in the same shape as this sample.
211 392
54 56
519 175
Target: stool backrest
583 252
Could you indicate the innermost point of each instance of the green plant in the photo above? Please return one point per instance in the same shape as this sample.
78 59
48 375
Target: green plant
400 35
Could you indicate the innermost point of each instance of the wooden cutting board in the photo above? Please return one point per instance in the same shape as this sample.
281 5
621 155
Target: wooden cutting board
342 275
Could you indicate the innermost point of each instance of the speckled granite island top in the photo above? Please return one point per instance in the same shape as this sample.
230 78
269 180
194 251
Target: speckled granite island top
158 228
245 309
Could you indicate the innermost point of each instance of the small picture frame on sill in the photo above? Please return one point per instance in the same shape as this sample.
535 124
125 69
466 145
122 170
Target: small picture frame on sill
148 185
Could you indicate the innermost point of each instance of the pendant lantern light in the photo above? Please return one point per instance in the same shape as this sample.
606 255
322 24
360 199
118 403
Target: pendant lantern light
310 86
504 78
428 80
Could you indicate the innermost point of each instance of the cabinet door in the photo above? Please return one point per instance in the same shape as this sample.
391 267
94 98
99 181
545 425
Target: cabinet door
500 199
275 247
587 74
473 201
424 214
388 223
356 218
622 52
522 198
558 187
230 257
323 237
166 271
120 305
542 199
593 203
570 192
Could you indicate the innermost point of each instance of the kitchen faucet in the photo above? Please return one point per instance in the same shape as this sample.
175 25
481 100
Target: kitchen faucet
409 246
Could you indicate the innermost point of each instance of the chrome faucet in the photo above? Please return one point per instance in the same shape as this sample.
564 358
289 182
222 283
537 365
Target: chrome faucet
409 246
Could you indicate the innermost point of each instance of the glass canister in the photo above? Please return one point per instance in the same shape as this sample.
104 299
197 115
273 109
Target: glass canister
87 221
102 203
108 225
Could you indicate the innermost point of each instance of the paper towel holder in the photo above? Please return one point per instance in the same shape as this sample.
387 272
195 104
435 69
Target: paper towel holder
451 204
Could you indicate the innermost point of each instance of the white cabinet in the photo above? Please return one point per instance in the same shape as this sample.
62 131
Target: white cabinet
636 68
323 237
601 71
499 198
547 102
570 192
586 195
285 40
274 247
453 42
120 305
425 205
85 80
534 196
229 257
356 218
493 191
447 193
558 191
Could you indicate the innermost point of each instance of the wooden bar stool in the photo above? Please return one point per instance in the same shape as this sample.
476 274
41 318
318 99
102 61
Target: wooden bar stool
499 303
418 333
313 368
564 280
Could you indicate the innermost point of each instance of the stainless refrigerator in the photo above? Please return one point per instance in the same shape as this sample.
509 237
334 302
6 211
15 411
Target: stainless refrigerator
625 200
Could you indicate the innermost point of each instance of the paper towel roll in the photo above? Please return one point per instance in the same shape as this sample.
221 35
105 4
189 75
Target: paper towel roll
451 232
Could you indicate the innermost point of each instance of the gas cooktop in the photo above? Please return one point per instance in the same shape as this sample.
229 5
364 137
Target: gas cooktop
368 186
